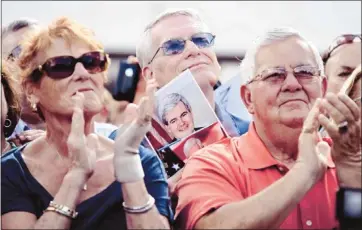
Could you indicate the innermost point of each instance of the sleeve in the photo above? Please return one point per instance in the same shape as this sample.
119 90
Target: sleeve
156 181
13 197
208 182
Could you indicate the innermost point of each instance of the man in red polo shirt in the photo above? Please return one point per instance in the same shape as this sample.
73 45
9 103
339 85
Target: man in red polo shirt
279 174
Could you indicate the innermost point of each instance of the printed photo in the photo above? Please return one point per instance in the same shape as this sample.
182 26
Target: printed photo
183 122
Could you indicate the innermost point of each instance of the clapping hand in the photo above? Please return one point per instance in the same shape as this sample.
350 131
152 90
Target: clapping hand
127 162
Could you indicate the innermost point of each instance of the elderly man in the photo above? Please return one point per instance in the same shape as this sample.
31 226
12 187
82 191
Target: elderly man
341 58
277 175
178 40
175 113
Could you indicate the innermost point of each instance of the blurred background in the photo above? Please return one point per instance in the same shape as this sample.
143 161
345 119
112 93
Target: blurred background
119 24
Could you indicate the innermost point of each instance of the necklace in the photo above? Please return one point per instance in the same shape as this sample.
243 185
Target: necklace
61 158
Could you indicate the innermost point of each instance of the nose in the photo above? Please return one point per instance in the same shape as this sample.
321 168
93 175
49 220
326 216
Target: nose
291 83
191 49
80 73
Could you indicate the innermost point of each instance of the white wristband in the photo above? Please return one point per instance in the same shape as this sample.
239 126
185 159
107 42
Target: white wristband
129 168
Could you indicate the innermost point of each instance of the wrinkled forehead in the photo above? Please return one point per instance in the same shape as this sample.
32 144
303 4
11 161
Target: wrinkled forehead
346 55
13 39
62 47
288 53
177 27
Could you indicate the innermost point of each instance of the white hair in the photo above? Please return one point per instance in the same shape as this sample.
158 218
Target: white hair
247 66
144 49
19 24
168 103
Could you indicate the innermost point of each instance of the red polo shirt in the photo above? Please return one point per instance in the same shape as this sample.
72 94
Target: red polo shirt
236 168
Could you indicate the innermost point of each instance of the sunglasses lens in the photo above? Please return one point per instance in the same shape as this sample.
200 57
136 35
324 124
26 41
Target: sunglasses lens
60 67
94 62
203 40
173 47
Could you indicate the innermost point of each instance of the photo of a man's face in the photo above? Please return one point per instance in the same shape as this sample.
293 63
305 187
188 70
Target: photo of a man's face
179 121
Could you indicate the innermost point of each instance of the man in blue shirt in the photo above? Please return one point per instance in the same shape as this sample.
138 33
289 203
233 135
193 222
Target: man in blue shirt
178 40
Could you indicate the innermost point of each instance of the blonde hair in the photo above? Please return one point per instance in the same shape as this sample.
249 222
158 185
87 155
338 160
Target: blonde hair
36 43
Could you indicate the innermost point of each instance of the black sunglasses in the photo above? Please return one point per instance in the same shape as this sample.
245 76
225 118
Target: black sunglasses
177 45
63 66
340 40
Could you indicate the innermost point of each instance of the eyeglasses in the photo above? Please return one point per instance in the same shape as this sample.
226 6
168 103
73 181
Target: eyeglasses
340 40
15 53
177 46
63 66
277 75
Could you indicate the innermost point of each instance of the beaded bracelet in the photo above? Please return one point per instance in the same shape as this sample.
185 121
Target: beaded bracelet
140 209
61 209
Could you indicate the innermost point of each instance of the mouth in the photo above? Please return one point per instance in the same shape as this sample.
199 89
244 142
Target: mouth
196 65
83 90
183 128
294 100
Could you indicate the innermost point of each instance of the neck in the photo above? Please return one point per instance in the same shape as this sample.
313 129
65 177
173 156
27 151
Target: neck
280 140
58 130
209 94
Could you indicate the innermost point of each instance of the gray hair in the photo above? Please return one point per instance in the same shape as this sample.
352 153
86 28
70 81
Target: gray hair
145 45
168 103
19 24
247 66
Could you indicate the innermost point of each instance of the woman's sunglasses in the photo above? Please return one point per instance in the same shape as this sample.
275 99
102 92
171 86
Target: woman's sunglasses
63 66
340 40
177 46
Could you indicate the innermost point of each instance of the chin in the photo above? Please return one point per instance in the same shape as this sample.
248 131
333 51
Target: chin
203 74
293 121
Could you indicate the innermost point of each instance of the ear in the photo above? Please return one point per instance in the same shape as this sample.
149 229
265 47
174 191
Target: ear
147 73
31 93
324 86
245 95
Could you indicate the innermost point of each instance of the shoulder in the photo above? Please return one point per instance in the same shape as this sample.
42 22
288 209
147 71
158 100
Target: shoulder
11 157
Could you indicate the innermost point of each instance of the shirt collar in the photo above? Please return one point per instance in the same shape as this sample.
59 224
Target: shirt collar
256 155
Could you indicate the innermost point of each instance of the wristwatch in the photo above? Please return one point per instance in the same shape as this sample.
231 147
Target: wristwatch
349 208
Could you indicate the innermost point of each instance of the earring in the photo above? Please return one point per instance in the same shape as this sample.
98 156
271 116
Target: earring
33 106
7 123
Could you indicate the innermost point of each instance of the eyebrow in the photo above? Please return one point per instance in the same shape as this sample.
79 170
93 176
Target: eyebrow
347 68
173 119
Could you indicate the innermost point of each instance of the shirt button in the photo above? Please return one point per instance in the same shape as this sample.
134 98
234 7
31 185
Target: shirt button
308 223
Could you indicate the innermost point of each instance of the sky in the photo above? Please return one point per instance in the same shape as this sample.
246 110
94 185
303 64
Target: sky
236 23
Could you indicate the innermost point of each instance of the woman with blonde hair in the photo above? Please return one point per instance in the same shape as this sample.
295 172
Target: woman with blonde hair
73 178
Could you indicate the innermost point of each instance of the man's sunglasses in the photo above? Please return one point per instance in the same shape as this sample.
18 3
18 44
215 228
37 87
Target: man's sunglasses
15 53
177 45
340 40
63 66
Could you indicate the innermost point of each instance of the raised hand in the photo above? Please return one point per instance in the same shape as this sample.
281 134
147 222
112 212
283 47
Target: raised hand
82 149
346 139
127 162
312 151
345 130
